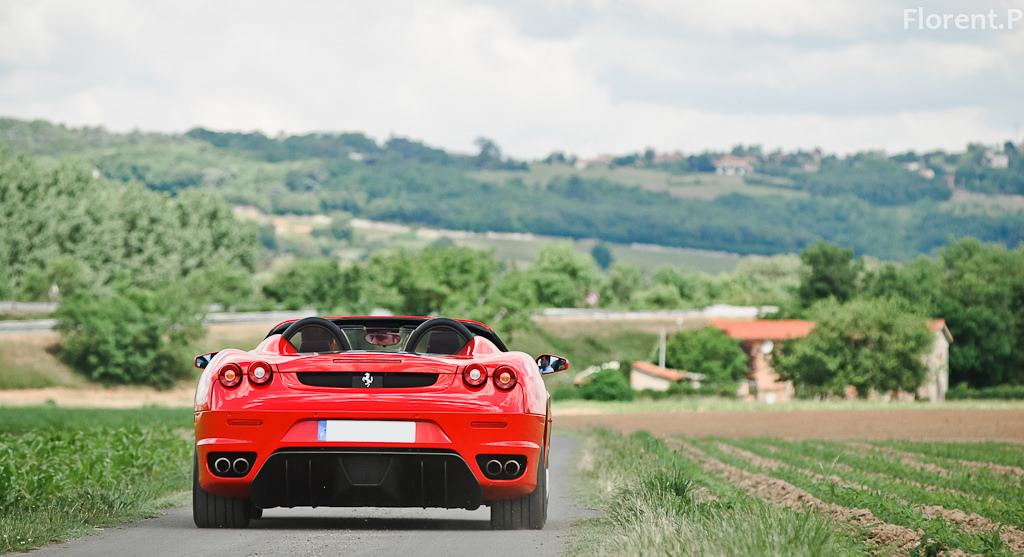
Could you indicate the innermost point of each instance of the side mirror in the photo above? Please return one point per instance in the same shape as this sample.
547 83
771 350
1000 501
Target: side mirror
203 360
549 363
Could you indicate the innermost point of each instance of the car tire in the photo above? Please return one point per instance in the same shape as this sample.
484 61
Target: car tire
214 511
525 513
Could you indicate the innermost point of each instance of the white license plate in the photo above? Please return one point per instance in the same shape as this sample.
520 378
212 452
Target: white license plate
364 431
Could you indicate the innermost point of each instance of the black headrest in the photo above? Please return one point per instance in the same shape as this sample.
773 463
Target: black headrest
444 341
315 345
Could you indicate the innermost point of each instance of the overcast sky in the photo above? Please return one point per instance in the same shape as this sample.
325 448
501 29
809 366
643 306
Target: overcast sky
582 76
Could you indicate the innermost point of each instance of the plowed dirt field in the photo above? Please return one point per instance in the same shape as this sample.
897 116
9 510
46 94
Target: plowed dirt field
912 424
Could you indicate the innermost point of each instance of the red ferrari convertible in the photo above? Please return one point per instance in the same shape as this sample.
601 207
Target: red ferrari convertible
374 412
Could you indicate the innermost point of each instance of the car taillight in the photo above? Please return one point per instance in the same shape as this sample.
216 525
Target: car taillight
504 378
230 375
259 373
474 375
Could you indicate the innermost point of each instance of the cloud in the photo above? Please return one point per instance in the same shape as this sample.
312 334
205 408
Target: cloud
582 76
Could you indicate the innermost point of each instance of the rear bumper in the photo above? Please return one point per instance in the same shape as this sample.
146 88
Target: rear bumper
365 478
295 467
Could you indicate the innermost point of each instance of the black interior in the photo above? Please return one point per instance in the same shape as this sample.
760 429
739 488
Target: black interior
399 322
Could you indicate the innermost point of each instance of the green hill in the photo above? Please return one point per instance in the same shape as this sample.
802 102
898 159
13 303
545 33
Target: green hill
889 207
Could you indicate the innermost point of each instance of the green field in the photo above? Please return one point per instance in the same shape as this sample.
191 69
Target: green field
698 186
65 472
520 249
714 496
649 258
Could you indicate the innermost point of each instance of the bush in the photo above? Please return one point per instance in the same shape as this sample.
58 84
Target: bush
139 337
727 389
607 385
565 392
1002 392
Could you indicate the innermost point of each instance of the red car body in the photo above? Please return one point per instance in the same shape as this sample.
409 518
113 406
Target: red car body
362 424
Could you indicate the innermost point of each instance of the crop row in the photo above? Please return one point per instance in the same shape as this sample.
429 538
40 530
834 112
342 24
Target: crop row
951 503
773 497
56 482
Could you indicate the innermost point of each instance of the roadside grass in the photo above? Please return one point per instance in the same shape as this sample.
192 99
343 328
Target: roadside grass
656 502
28 362
242 336
66 472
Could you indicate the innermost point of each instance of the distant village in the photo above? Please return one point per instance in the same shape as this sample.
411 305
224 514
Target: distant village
746 160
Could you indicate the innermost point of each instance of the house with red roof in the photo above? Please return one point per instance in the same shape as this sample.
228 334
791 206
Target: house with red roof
758 339
644 375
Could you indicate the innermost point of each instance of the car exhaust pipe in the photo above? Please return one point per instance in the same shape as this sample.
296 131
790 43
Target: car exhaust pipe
512 468
493 468
222 465
240 466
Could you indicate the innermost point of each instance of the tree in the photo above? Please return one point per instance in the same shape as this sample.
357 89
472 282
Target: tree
562 276
656 296
59 224
220 283
677 278
602 254
622 282
489 152
312 282
508 306
132 337
765 280
979 290
867 343
708 351
341 226
832 272
982 300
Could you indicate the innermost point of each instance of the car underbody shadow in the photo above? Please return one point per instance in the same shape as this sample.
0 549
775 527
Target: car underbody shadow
375 519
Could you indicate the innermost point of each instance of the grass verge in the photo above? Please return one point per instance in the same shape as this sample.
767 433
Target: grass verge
28 362
65 472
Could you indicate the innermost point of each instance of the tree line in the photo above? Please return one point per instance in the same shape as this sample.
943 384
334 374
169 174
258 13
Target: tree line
150 261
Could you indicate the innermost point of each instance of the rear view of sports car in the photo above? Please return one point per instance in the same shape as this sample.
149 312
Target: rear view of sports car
373 412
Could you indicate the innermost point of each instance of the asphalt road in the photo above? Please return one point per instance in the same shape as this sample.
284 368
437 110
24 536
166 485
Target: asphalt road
330 531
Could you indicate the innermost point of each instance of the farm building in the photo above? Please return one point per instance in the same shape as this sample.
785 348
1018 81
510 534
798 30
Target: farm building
644 375
757 338
936 361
